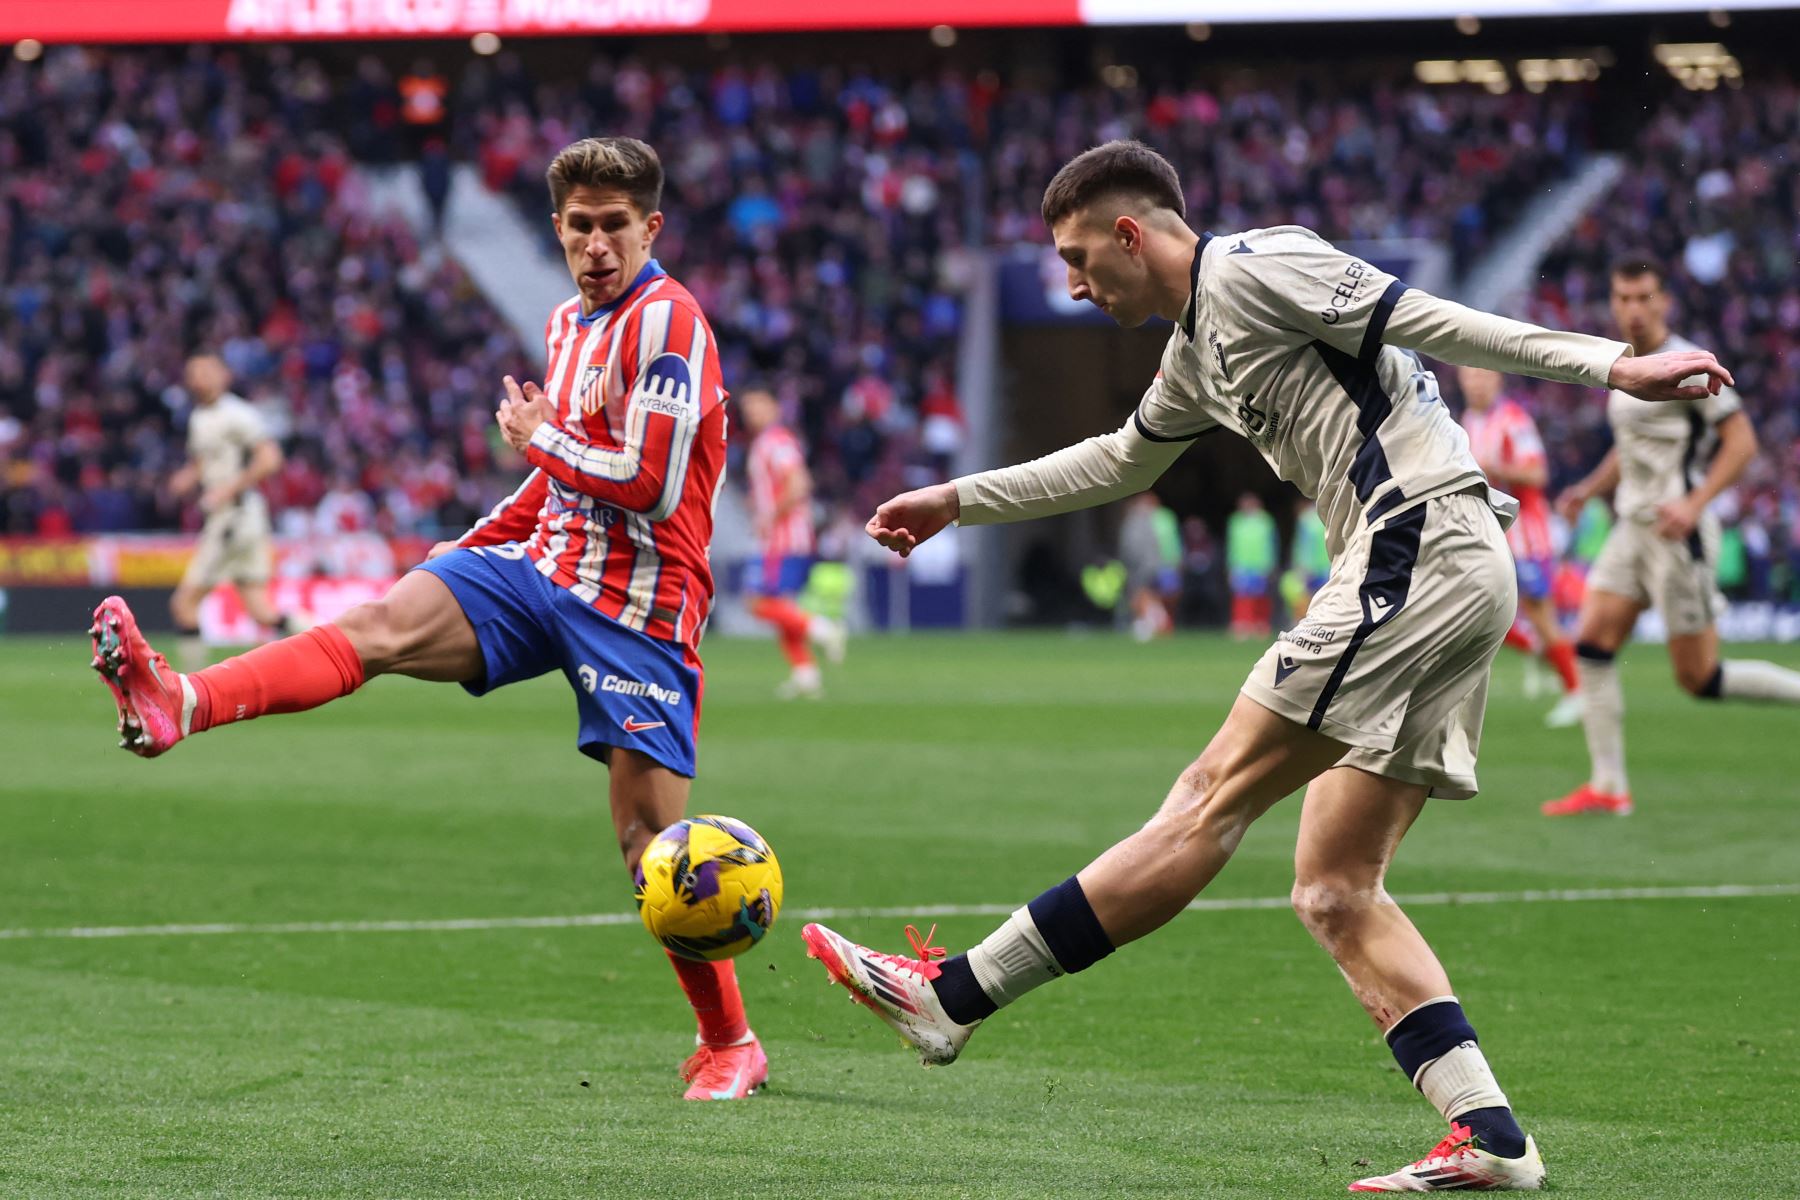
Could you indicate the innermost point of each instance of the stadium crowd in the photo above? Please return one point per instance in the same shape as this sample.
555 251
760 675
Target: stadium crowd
156 201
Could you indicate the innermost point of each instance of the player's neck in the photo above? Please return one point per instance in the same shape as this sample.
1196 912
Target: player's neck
1173 271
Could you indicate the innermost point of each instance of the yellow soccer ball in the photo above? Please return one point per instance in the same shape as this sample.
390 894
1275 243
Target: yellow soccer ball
708 888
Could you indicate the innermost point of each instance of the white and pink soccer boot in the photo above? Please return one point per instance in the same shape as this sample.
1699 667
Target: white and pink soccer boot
895 988
1458 1164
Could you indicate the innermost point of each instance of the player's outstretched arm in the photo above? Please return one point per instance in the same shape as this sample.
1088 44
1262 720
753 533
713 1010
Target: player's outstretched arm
1096 471
1456 333
1603 480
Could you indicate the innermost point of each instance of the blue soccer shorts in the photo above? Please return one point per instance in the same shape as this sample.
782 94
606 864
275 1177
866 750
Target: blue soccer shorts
1535 577
631 690
777 575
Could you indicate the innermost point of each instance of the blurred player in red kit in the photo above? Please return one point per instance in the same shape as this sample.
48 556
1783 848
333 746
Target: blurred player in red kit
1505 441
596 566
781 507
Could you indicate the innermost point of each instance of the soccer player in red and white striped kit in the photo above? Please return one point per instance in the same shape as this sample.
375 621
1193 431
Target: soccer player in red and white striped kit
780 489
596 566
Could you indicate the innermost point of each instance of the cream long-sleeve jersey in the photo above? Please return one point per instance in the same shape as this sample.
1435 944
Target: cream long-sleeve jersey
1307 352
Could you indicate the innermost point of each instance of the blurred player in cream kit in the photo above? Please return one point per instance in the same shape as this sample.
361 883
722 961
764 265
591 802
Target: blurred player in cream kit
230 453
1668 462
1372 704
781 492
596 567
1505 441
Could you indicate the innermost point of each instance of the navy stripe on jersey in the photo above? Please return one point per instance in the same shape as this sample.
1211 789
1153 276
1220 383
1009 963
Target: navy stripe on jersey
1152 436
1384 308
1369 469
1187 323
1393 553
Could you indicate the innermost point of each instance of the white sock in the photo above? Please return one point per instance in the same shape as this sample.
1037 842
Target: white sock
1603 720
1754 679
1460 1081
1013 959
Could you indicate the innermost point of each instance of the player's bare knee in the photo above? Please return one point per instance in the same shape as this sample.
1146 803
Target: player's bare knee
1329 904
1697 679
375 635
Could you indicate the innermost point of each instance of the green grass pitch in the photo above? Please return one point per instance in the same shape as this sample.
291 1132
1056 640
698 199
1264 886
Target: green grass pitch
1650 1045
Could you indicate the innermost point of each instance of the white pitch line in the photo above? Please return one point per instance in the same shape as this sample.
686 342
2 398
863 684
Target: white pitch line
1723 891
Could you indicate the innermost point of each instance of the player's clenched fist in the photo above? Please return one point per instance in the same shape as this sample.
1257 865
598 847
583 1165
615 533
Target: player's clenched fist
522 412
908 519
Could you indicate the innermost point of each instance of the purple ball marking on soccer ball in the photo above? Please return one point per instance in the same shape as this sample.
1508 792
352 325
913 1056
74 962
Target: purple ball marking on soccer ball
703 882
740 831
677 832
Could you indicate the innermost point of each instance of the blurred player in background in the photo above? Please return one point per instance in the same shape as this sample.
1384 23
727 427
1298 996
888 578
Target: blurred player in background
596 567
230 453
1505 442
1150 550
1668 462
781 509
1373 704
1309 559
1251 555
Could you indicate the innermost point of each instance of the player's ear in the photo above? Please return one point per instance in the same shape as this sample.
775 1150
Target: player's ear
1129 234
652 226
556 224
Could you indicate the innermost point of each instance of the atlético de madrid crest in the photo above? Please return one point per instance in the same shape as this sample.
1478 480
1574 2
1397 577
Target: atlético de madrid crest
592 395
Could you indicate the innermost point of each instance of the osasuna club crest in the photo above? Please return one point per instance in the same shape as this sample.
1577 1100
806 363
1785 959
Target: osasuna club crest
591 394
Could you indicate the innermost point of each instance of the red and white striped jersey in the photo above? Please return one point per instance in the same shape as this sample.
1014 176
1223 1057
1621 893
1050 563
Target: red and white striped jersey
619 506
1506 436
775 458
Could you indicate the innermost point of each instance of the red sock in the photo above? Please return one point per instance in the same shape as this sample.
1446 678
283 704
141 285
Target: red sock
1518 639
1241 607
790 625
712 990
291 675
1561 655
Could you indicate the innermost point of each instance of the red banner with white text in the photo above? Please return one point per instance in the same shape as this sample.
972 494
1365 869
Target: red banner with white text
269 20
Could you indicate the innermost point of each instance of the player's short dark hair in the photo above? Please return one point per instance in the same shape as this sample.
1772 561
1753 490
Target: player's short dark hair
1123 168
615 163
1636 264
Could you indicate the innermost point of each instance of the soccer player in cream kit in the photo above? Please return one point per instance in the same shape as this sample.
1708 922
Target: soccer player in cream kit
1373 703
1667 463
595 567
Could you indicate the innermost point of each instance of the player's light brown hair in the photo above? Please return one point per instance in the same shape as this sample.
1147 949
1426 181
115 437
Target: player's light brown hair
620 164
1118 169
1636 264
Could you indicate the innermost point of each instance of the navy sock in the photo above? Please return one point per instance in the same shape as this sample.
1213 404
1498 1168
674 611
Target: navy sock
1497 1129
960 993
1428 1033
1069 927
1593 653
1071 932
1714 687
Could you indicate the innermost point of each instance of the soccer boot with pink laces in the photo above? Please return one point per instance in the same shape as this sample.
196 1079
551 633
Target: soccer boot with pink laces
1459 1164
895 988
